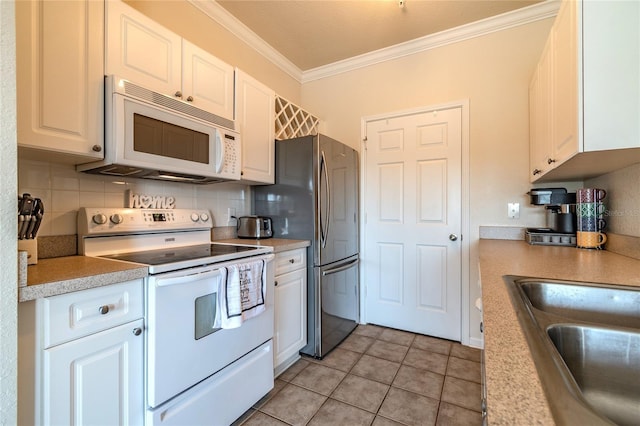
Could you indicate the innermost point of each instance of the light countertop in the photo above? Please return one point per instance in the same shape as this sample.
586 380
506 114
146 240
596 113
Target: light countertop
51 277
278 244
60 275
514 392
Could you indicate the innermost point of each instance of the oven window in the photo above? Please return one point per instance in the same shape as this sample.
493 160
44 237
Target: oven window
206 311
168 140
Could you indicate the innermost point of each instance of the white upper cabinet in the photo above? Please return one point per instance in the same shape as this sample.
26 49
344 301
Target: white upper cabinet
593 93
207 81
540 122
148 54
255 119
60 79
141 50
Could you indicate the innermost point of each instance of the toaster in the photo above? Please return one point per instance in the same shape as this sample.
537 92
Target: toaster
254 227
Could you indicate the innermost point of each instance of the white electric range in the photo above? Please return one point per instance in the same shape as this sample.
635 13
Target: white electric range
195 372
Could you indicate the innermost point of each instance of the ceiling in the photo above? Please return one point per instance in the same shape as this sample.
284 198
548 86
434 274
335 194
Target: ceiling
315 33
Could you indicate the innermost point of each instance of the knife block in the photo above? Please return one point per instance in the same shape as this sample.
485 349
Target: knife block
31 247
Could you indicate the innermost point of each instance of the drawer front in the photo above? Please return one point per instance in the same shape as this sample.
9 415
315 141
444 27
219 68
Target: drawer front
291 260
73 315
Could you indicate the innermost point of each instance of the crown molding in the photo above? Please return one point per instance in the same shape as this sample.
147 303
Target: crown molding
219 14
536 12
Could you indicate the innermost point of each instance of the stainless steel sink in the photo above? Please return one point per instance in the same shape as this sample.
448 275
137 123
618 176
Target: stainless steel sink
605 364
585 342
590 302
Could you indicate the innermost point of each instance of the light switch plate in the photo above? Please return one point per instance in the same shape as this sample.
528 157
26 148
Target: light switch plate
513 210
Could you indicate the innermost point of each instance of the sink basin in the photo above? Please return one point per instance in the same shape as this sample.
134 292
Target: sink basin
591 303
585 343
605 364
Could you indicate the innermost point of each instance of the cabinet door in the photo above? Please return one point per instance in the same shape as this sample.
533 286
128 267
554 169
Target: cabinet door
566 138
540 112
60 80
96 379
141 50
255 119
290 333
207 82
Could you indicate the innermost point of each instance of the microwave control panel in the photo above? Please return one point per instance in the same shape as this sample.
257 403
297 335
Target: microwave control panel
231 164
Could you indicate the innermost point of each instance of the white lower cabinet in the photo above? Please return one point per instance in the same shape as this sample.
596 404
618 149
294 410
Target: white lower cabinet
96 379
290 333
81 358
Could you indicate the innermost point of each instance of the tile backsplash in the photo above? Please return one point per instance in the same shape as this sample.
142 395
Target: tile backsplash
622 200
63 191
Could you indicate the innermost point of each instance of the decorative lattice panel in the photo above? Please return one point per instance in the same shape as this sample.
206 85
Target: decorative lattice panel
292 121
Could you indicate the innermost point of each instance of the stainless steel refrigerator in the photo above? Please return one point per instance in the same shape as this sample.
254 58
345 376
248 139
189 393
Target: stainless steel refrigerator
315 198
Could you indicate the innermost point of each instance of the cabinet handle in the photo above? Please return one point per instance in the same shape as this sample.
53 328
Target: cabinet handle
96 148
536 171
137 331
550 161
190 99
178 94
275 283
104 309
292 261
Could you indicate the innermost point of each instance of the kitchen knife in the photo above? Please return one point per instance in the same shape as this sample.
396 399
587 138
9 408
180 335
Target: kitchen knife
32 219
39 214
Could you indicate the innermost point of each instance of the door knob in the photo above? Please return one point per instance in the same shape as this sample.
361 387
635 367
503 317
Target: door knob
453 237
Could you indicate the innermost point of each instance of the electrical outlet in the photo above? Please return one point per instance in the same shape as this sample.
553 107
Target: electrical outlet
231 213
513 210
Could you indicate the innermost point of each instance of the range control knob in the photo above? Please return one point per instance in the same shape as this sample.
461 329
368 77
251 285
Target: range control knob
99 219
204 217
116 218
195 217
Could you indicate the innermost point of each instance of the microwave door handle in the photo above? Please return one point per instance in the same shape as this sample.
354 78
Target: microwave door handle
220 152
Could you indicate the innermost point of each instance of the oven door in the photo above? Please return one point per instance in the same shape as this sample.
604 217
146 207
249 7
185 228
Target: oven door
183 347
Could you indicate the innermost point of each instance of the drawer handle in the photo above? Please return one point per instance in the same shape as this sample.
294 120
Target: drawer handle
137 331
275 283
292 261
104 309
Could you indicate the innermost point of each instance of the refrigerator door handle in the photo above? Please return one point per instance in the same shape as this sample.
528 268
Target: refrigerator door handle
324 230
341 268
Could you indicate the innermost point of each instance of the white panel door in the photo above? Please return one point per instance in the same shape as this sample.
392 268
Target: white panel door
413 219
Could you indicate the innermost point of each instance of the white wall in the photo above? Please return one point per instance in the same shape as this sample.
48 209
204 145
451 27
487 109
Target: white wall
63 191
493 72
8 207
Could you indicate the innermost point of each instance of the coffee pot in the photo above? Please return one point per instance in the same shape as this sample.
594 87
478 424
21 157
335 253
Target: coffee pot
560 208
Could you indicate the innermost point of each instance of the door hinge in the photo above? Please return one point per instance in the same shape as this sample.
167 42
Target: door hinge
365 139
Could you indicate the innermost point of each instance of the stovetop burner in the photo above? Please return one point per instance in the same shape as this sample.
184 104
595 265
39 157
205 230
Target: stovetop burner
169 259
179 254
163 240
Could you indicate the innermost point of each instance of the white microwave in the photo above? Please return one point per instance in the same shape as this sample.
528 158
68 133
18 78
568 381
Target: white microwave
154 136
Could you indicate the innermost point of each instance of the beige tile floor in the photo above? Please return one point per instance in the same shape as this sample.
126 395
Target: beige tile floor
378 376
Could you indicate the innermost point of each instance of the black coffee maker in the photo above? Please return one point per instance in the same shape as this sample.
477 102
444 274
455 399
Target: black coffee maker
560 206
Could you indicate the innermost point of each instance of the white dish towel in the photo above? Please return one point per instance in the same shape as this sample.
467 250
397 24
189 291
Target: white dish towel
242 294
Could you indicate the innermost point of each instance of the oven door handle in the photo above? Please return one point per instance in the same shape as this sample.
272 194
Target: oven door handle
185 279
